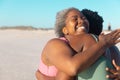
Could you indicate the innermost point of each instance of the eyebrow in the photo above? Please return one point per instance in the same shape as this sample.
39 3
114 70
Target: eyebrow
74 16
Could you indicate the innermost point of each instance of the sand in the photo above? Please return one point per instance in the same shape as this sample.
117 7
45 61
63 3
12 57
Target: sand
20 52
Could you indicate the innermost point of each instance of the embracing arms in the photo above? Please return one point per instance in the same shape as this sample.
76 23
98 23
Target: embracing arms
61 55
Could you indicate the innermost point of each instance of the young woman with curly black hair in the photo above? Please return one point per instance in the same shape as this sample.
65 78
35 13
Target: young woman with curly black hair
96 27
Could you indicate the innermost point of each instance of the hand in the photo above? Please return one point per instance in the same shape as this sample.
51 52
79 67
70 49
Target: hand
111 38
115 72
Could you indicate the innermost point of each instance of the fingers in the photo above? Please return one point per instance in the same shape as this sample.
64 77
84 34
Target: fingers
115 72
102 33
117 41
114 76
114 64
117 30
111 76
117 67
116 79
115 35
110 39
111 70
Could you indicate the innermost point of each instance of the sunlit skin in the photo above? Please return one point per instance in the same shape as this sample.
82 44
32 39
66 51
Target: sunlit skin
76 25
70 62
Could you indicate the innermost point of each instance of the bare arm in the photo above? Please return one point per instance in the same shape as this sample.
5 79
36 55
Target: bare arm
87 41
60 53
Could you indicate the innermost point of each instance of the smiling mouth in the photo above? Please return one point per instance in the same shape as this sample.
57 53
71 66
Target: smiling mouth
81 28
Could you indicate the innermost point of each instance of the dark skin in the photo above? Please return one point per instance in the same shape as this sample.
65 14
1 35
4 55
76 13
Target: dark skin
115 72
86 40
96 27
105 41
46 77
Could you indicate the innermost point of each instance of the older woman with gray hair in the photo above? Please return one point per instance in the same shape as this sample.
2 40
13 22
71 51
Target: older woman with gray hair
63 55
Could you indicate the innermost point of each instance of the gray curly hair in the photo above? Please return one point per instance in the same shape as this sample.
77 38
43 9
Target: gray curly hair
60 20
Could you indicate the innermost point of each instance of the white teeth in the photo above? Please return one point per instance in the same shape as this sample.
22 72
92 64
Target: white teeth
81 28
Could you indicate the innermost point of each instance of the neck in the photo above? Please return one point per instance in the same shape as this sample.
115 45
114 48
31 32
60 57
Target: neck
72 37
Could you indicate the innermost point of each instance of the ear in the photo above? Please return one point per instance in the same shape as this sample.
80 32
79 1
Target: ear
64 30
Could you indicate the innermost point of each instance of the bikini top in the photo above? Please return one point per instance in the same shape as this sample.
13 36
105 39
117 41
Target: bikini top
49 70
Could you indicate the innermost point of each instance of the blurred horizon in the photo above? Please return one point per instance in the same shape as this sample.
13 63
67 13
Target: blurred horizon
42 13
34 28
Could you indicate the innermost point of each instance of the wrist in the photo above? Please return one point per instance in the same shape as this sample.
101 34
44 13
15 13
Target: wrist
102 45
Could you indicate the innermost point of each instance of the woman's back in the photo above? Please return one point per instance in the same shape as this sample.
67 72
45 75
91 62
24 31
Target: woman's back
97 70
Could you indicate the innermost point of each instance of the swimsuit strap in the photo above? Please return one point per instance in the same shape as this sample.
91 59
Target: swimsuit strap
95 37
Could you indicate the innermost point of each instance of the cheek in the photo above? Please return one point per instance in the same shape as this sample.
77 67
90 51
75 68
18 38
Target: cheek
72 24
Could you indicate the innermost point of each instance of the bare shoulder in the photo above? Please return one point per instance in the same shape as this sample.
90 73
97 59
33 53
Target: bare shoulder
56 46
55 41
90 40
56 49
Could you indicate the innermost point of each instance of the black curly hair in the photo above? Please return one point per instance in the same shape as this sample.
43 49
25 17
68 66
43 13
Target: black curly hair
95 21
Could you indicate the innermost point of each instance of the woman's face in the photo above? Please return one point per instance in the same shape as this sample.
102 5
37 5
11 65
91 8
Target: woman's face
76 23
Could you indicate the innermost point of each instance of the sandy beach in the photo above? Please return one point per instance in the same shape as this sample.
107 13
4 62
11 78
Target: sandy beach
20 52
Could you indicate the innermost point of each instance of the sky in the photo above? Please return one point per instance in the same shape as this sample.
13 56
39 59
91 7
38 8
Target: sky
41 13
